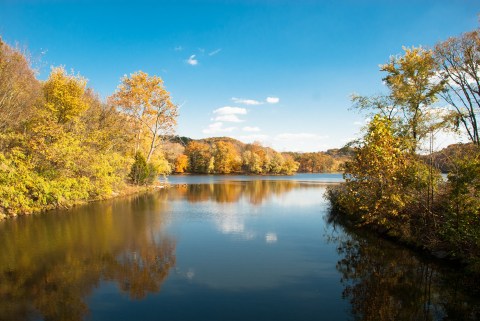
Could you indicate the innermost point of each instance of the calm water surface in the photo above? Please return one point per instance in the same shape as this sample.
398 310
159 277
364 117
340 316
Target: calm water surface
228 249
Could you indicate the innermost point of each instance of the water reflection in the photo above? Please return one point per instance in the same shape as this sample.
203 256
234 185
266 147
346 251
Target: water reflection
385 282
255 192
214 252
52 262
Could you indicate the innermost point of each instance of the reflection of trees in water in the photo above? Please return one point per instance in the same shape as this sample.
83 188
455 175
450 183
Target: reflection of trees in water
384 282
230 192
50 263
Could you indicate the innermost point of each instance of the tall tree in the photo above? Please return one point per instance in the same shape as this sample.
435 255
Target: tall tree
459 59
413 87
19 89
145 100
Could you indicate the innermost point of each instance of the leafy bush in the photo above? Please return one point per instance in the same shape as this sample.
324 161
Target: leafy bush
461 216
139 172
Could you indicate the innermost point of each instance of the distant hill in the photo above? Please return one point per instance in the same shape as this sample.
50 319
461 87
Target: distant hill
443 158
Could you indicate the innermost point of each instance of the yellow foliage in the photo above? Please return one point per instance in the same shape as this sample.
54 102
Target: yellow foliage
181 163
64 95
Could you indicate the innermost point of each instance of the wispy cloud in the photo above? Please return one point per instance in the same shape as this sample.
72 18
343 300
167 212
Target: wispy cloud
272 100
228 110
192 61
250 129
178 48
246 101
217 127
229 114
213 53
228 118
268 100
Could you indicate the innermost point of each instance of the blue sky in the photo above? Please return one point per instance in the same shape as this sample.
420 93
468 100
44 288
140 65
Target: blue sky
280 72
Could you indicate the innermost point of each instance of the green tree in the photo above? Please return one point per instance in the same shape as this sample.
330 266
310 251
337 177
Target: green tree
460 219
140 171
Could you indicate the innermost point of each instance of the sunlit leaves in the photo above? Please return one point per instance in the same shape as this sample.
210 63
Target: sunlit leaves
153 115
64 95
19 90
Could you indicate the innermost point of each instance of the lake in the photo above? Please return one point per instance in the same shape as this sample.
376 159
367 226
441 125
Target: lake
219 248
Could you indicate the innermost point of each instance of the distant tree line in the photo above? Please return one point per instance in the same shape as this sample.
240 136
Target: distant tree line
226 156
322 162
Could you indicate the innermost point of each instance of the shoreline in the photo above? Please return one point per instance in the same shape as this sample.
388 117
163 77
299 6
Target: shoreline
438 254
128 190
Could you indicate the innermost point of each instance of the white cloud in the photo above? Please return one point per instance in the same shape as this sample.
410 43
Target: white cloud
192 60
228 118
250 129
229 114
272 100
213 53
227 110
217 127
246 101
178 48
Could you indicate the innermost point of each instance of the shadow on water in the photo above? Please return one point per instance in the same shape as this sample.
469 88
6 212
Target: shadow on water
50 263
384 281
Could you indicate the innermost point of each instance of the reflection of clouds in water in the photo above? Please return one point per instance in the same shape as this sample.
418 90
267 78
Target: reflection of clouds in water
300 197
190 273
230 221
229 224
271 238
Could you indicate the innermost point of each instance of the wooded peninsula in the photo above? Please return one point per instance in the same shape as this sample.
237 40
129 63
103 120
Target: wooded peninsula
392 189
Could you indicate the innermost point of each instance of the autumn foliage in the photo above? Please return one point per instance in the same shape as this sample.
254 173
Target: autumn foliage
61 145
392 189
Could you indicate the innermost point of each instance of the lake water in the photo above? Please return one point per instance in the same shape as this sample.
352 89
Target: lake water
226 248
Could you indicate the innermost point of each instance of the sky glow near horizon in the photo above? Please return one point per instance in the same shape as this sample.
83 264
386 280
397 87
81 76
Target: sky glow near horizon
279 72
